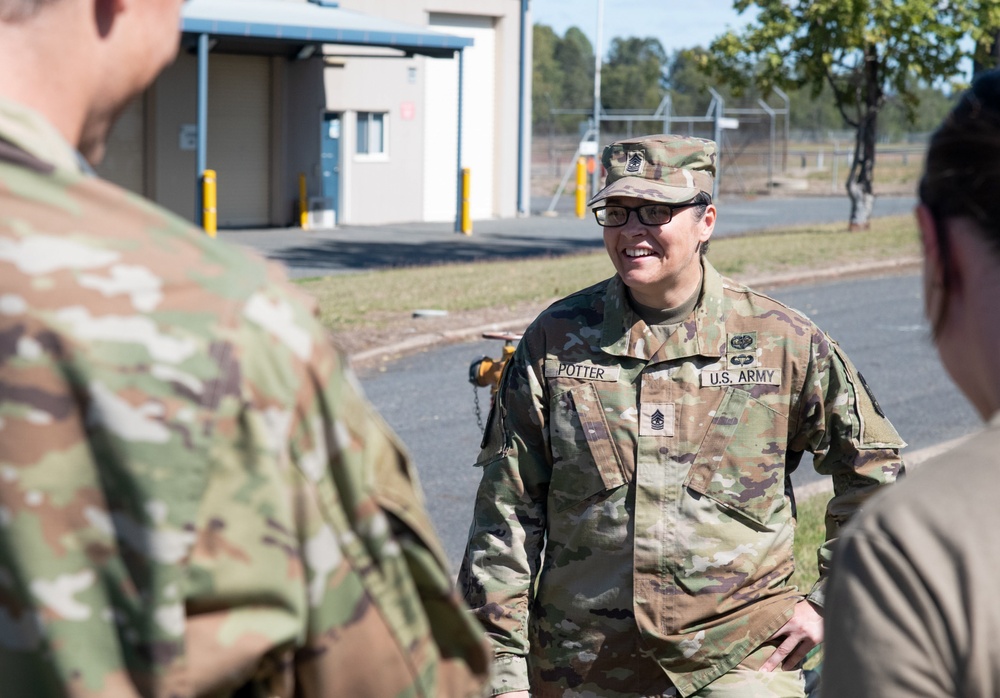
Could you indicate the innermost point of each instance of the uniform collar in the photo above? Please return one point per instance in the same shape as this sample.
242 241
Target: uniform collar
702 334
29 131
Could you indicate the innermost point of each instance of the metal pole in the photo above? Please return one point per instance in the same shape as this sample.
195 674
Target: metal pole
595 183
788 116
523 132
770 157
720 107
201 157
458 175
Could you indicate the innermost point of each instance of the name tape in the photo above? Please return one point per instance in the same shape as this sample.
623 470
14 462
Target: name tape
747 376
587 372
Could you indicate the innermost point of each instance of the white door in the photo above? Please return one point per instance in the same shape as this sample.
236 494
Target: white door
239 136
478 115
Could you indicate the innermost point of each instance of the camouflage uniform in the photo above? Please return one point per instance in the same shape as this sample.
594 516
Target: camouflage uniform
194 496
633 529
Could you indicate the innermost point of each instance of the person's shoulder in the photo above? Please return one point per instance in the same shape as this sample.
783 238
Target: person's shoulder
752 302
76 222
749 310
944 492
584 306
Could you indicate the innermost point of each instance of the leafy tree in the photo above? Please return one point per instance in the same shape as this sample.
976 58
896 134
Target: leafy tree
575 57
898 119
562 77
633 77
546 76
862 50
688 81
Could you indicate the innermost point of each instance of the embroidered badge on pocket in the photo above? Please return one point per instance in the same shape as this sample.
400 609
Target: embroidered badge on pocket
656 419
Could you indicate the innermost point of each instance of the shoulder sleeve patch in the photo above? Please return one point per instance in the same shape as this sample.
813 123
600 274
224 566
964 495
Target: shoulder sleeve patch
876 429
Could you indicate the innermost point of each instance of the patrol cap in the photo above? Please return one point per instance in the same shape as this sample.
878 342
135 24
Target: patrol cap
666 168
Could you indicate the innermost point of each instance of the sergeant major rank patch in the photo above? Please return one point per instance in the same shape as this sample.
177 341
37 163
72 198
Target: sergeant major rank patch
656 419
635 163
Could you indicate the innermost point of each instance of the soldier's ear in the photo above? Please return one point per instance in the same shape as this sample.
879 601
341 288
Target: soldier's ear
934 244
105 14
928 235
708 222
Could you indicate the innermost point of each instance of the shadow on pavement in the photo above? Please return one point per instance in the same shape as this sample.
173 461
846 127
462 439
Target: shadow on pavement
364 255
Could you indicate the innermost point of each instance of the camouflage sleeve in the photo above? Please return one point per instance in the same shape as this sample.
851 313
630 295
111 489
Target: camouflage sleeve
382 616
841 423
507 533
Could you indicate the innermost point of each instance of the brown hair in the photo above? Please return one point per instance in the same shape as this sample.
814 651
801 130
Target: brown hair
962 172
701 202
19 10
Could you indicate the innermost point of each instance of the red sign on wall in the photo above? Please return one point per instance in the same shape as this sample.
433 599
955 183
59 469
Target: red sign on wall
407 110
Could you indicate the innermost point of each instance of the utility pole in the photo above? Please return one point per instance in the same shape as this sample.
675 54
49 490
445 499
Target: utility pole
595 183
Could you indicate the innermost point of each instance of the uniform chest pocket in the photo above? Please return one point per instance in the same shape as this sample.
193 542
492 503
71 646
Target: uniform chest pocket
741 461
585 459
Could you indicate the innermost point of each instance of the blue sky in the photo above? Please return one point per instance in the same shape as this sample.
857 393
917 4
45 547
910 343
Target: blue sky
676 23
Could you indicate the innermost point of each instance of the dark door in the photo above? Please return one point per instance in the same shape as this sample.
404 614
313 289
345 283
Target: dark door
330 163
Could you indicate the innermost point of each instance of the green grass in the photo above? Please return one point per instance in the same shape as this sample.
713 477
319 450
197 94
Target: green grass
381 298
809 535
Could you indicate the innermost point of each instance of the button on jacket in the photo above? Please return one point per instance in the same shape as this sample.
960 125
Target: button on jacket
633 530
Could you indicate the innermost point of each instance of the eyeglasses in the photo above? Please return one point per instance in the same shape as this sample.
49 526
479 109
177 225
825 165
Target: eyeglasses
649 214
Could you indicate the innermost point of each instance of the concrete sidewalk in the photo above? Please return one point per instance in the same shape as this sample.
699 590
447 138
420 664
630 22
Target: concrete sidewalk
362 248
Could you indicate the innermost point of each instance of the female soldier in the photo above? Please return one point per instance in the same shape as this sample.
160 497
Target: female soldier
912 610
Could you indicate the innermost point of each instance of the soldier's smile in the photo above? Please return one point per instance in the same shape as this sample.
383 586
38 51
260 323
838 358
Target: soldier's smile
659 263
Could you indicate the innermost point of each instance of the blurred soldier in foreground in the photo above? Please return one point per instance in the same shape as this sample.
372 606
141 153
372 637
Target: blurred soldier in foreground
913 600
633 530
194 498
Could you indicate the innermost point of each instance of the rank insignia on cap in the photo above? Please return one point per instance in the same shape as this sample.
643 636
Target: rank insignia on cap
744 341
635 164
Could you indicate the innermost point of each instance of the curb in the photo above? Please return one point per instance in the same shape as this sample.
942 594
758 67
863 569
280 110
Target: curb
424 341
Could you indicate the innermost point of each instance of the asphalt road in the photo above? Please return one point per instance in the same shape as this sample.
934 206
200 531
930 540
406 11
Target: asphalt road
426 397
361 248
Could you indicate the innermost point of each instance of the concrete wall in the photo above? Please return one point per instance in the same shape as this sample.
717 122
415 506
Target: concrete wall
304 97
374 189
175 96
379 188
353 88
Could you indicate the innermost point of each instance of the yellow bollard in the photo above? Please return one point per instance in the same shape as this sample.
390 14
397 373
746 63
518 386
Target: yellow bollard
581 187
466 187
303 203
209 202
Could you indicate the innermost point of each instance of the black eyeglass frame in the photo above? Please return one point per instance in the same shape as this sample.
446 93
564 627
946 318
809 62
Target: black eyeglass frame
639 213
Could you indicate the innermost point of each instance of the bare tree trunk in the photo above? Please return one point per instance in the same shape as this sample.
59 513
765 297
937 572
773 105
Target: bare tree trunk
861 176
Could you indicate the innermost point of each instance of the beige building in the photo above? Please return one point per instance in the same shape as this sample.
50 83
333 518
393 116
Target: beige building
360 96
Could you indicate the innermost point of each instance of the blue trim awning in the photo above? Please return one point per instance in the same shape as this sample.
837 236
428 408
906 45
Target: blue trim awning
307 22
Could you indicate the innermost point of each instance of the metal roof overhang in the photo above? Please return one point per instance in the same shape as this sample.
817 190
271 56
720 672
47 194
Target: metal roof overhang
283 26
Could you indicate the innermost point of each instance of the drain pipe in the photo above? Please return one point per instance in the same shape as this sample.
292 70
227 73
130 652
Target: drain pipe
523 124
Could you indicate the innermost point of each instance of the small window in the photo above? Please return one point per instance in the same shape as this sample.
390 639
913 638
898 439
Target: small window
371 133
